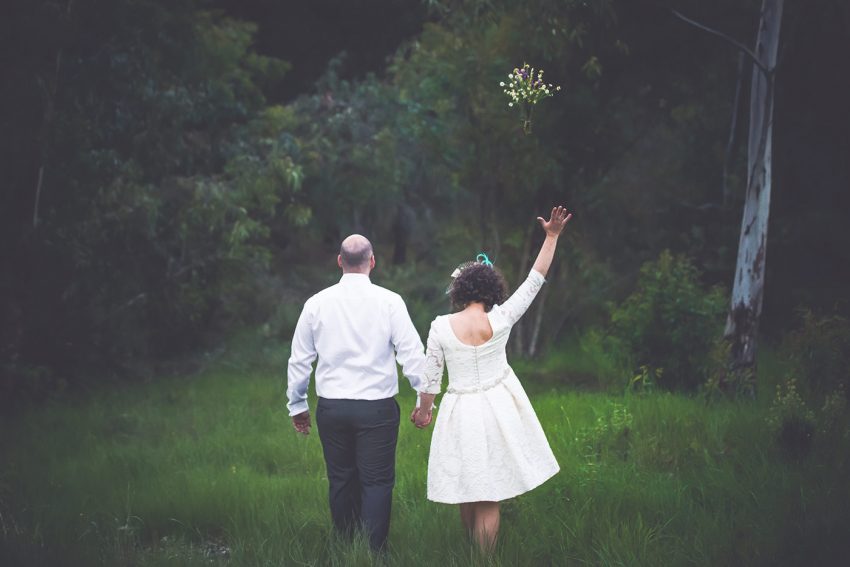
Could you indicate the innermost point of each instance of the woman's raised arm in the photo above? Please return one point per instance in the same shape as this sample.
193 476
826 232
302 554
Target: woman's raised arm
518 303
553 227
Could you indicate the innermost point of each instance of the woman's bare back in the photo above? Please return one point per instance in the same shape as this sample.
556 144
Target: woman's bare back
471 326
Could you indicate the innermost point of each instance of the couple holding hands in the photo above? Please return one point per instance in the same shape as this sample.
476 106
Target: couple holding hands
487 443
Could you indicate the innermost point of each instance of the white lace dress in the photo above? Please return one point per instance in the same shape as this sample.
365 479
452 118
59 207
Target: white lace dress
488 444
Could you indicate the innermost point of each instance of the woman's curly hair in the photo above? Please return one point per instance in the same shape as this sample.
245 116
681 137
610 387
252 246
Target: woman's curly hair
478 283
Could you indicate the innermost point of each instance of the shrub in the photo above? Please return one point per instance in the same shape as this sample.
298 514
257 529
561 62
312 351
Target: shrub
644 381
670 322
832 421
791 421
723 379
819 351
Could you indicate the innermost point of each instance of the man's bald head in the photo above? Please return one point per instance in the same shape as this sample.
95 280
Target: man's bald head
355 254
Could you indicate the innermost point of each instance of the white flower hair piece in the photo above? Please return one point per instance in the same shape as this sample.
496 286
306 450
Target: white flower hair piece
479 259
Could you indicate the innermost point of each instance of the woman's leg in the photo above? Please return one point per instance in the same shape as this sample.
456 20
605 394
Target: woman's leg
486 516
467 516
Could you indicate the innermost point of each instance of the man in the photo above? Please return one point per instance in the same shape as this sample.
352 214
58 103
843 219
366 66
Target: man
357 330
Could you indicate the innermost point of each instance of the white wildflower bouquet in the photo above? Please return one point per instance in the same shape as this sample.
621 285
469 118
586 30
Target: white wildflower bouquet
525 90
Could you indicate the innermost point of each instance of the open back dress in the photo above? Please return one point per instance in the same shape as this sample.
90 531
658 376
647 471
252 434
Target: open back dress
487 444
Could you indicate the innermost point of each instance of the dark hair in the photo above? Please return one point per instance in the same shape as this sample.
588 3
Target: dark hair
478 283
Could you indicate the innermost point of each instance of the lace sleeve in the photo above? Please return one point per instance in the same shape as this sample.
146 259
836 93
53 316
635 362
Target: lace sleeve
518 303
434 362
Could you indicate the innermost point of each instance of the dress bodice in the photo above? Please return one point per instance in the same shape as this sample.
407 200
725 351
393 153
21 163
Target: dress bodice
477 368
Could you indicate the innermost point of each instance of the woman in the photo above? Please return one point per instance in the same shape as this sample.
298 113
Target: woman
487 444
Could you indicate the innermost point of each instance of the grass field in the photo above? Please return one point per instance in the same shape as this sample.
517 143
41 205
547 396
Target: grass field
205 469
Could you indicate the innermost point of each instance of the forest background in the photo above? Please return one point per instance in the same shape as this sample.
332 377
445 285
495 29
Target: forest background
177 176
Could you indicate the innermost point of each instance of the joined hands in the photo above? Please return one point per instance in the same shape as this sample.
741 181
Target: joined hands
420 417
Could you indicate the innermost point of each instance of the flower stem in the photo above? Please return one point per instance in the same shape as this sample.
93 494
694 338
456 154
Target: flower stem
526 119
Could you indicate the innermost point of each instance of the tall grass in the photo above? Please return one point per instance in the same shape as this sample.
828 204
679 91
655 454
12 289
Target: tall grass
206 468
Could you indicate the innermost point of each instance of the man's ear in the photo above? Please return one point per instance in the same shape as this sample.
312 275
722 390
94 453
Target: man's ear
372 262
339 260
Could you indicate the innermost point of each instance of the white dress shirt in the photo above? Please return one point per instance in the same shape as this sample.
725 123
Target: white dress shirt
358 330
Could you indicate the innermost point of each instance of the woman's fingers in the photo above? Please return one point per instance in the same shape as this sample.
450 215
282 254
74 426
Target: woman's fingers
563 214
559 216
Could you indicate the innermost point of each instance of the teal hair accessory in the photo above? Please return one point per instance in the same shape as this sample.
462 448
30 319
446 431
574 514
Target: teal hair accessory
483 259
480 259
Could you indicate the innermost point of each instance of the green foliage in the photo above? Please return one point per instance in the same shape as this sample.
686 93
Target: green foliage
833 415
646 378
791 421
795 426
177 204
610 435
608 363
164 180
723 379
819 352
670 321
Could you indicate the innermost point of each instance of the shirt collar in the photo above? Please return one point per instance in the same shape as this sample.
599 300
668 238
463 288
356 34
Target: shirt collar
359 279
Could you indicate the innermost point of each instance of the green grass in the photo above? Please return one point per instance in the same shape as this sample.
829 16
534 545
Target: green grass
167 473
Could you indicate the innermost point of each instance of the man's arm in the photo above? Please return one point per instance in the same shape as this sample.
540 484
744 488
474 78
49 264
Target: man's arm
408 346
302 356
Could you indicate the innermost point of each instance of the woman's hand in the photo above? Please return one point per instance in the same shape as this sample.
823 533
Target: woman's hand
553 227
557 221
420 418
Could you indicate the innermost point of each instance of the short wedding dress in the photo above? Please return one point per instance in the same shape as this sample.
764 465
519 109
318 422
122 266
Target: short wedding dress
487 444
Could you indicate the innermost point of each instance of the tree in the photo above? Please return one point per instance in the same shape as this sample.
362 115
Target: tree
158 175
748 285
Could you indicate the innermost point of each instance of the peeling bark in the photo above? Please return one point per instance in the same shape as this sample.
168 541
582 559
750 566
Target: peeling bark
748 289
748 283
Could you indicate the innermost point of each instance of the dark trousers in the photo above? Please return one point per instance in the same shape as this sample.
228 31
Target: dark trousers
359 440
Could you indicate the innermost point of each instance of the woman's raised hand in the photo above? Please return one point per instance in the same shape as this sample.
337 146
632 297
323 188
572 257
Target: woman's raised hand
553 227
557 221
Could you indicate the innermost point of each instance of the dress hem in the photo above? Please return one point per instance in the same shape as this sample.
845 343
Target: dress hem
500 497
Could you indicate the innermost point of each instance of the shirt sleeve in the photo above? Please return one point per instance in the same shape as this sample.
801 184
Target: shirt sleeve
407 345
302 356
518 303
434 363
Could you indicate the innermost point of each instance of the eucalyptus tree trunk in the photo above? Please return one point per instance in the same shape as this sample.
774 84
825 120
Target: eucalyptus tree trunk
748 286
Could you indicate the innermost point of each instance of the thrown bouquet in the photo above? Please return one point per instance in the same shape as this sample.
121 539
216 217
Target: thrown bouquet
525 90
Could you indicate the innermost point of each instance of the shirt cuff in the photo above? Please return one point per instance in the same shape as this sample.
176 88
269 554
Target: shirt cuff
299 407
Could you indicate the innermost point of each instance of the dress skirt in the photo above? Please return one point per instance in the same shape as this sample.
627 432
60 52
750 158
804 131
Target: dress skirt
488 445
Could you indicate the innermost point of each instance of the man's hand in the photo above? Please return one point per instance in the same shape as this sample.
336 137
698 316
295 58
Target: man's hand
420 417
301 422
